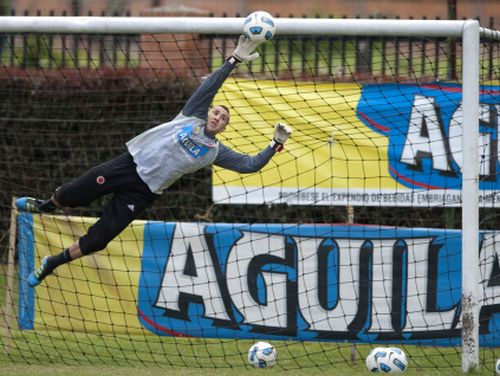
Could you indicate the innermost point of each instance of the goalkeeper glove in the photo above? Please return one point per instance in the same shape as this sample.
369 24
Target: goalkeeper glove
281 134
244 49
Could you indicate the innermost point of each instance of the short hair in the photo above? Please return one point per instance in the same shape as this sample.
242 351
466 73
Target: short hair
224 107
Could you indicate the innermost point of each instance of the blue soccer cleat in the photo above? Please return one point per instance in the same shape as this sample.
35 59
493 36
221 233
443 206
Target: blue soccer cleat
39 274
28 204
35 205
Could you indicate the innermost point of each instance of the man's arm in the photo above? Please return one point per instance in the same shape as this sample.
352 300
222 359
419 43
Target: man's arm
200 101
243 163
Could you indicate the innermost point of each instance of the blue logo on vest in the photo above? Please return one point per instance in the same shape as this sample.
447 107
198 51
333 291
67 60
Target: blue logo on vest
193 149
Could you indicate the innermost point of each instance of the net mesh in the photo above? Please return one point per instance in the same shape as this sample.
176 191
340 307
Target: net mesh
69 102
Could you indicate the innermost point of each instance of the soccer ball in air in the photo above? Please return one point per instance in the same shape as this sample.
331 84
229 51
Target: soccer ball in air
393 361
262 355
371 359
259 26
497 367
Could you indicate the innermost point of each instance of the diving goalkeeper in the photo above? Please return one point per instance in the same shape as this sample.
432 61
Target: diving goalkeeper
154 160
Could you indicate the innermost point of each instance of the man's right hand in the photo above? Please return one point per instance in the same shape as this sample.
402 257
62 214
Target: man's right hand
244 49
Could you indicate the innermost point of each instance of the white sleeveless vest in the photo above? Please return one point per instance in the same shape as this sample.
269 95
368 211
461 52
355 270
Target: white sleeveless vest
166 152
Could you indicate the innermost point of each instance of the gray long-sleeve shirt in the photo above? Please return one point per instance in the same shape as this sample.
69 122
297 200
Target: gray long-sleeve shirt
166 152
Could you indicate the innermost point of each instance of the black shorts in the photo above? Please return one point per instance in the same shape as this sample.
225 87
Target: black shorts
131 196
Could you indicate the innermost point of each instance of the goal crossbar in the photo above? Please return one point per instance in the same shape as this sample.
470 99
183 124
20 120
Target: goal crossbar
231 25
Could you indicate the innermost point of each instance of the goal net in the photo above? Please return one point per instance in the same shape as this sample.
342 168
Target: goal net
352 238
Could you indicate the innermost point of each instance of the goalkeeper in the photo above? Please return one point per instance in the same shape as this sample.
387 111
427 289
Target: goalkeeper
154 160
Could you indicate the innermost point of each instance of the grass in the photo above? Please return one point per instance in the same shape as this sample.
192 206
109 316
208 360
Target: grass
45 352
42 51
81 355
340 58
307 56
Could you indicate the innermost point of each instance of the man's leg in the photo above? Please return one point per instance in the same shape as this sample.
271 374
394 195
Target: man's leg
49 263
94 183
118 213
131 198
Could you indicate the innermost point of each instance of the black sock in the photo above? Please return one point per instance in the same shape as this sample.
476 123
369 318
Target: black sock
57 260
47 206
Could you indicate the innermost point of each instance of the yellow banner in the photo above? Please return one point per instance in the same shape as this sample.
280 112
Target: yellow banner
234 280
330 150
97 293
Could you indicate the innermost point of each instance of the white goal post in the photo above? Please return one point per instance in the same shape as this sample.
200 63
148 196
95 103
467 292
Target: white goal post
468 30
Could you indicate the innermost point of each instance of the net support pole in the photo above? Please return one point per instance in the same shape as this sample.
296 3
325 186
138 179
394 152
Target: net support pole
9 302
350 221
470 197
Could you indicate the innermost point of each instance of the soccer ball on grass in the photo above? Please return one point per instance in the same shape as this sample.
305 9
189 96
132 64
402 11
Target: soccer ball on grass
387 359
371 359
393 361
259 26
262 355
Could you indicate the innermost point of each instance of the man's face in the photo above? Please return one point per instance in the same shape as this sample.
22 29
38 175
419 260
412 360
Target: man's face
217 120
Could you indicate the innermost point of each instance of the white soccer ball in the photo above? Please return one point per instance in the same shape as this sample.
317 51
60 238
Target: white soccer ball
371 359
259 26
262 355
394 361
497 367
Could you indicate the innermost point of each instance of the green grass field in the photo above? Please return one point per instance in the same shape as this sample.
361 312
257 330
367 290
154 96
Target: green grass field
71 354
83 354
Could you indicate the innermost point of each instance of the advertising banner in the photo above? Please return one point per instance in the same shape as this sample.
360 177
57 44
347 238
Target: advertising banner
375 144
278 281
